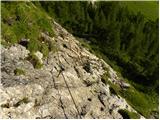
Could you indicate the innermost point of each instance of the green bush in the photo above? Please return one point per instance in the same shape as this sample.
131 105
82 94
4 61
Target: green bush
128 115
105 77
19 71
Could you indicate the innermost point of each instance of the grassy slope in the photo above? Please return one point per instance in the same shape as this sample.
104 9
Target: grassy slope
149 8
23 20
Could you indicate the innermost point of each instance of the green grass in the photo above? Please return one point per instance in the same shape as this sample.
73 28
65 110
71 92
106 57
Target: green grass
128 115
112 91
148 8
105 77
44 50
23 20
19 71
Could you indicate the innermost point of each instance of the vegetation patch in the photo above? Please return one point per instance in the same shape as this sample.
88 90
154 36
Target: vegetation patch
128 115
87 67
105 77
52 46
144 7
112 91
141 102
44 49
19 71
5 105
35 61
23 20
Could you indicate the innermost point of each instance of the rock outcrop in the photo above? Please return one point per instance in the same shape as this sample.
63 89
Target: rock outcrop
67 86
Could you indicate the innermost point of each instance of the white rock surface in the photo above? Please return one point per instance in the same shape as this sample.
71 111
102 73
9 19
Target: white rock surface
39 56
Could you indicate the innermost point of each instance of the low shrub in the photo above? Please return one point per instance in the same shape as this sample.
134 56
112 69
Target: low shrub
105 77
128 115
112 91
19 71
44 50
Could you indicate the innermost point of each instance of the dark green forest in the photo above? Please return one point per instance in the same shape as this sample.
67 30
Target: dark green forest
119 34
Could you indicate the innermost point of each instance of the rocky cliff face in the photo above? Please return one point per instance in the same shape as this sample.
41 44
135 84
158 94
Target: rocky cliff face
67 86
